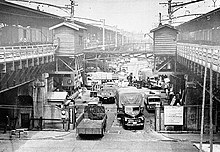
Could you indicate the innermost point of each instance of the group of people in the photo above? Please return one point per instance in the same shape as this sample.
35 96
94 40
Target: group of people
131 79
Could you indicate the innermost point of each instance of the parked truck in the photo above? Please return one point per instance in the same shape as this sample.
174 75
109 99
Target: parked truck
151 102
153 98
107 93
92 121
130 106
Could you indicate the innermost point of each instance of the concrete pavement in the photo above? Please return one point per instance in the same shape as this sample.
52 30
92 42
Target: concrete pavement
195 138
58 134
36 135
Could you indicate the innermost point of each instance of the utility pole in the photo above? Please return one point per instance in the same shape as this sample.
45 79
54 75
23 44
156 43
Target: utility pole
214 1
203 103
211 107
72 5
170 11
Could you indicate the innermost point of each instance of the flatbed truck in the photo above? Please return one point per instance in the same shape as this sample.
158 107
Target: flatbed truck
92 121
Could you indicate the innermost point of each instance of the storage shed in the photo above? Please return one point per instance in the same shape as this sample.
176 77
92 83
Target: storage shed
164 40
71 38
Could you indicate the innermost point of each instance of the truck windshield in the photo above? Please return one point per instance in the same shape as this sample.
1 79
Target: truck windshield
154 100
129 109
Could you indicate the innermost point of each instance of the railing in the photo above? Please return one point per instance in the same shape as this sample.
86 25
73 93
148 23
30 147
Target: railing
16 53
127 47
94 46
201 54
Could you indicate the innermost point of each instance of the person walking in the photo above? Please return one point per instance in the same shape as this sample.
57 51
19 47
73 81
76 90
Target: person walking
130 78
7 123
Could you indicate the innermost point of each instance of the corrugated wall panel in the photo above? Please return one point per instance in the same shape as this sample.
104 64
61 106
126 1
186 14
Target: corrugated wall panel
165 43
66 44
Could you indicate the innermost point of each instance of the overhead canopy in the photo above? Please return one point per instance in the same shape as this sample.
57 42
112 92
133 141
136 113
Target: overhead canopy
56 96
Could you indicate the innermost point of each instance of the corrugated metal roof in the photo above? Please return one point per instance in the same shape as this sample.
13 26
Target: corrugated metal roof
163 26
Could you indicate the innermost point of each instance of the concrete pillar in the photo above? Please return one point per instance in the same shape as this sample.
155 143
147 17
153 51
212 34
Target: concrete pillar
198 70
157 118
38 98
45 77
201 74
192 66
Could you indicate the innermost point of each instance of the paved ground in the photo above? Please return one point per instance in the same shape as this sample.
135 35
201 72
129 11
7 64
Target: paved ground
115 140
195 138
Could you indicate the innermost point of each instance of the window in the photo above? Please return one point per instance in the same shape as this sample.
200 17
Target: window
80 40
25 33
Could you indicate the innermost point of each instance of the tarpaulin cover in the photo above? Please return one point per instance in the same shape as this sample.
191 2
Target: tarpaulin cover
131 98
95 112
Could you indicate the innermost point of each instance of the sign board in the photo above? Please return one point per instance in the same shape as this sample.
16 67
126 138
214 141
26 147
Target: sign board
173 115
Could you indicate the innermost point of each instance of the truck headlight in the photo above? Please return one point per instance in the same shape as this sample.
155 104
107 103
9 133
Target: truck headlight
141 119
126 119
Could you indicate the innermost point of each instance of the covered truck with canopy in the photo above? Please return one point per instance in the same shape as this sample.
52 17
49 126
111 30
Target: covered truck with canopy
130 106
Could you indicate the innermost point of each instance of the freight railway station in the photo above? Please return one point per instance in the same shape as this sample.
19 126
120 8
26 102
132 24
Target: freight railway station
45 60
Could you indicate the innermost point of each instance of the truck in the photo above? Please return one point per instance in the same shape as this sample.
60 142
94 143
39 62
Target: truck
152 101
92 121
107 93
153 98
130 106
99 78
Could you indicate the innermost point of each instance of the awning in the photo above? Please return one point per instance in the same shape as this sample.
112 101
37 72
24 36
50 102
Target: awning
57 96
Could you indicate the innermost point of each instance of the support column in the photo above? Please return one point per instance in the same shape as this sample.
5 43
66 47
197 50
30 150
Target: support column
217 80
198 70
38 98
201 74
116 37
157 118
194 67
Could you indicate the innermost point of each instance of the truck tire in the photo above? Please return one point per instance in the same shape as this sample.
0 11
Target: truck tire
123 124
102 134
125 127
142 127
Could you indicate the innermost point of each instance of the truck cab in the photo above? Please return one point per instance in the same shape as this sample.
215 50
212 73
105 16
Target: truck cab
133 116
152 101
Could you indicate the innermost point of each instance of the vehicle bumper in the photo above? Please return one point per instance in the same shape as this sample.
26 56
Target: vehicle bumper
133 125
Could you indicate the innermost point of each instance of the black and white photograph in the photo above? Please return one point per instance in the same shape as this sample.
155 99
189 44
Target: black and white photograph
109 75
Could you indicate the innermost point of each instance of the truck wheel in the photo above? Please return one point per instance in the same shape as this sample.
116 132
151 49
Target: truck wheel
145 105
102 134
125 127
123 124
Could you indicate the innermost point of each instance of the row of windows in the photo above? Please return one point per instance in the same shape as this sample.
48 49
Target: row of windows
209 35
